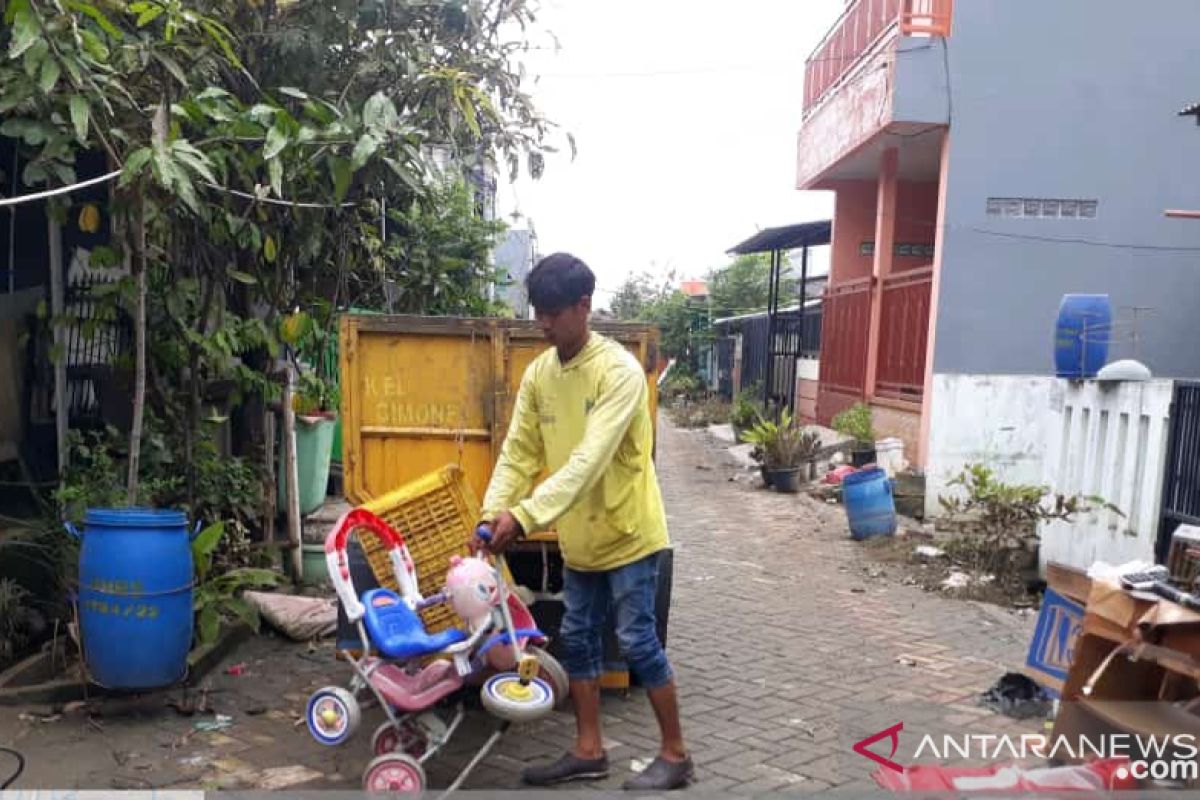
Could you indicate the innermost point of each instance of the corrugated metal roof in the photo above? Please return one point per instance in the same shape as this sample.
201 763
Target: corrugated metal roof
785 310
789 237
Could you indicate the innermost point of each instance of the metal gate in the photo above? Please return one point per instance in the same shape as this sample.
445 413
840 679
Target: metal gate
725 347
1181 475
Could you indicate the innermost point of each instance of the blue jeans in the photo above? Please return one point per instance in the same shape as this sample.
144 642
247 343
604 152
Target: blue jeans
630 593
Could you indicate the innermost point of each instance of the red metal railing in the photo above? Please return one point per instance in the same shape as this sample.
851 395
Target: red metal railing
845 331
903 333
861 25
930 17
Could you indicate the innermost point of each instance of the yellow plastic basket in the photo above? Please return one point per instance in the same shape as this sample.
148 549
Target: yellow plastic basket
436 514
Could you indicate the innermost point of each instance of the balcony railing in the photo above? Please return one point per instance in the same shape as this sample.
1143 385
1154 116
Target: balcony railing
903 333
861 26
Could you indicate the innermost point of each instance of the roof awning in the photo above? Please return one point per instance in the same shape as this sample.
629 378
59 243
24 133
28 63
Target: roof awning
788 237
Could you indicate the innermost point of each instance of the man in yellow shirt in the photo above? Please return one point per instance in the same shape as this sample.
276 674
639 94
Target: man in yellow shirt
582 414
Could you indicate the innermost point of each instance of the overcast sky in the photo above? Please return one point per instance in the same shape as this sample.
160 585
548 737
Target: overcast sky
685 113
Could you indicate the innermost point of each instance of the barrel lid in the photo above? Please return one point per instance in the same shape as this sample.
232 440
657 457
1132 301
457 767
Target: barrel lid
865 474
136 517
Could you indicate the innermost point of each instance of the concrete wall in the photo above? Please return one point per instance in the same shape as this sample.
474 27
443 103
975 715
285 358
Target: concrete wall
1003 422
920 81
1071 99
1109 441
854 223
1084 438
807 371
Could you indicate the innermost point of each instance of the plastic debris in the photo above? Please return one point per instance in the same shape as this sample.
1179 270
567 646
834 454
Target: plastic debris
1017 696
957 580
1099 776
929 551
236 670
284 777
220 723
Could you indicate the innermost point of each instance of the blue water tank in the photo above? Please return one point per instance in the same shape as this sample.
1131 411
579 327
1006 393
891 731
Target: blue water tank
135 597
1082 334
870 506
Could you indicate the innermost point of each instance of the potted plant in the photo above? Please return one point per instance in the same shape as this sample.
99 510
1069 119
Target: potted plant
856 423
785 451
745 413
315 403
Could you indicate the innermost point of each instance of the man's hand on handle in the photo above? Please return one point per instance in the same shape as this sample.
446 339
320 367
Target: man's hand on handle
503 531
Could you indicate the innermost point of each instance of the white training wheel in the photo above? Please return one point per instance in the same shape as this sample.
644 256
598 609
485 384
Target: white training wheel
333 715
505 696
394 772
551 670
410 737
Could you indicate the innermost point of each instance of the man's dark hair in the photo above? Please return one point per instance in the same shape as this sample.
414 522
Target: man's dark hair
558 281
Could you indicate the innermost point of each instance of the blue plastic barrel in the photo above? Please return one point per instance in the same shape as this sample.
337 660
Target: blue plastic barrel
135 597
867 495
1082 334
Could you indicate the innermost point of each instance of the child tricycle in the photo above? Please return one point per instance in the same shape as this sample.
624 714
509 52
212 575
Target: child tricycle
415 674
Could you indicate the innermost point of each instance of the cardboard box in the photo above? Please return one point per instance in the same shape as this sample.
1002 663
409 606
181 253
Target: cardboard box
1052 650
1068 581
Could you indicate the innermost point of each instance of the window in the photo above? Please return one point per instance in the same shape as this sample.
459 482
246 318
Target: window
1041 208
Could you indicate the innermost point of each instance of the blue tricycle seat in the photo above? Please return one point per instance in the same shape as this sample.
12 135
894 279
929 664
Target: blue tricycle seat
397 630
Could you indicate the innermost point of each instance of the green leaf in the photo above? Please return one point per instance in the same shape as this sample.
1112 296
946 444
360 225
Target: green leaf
13 6
51 72
406 175
98 16
341 178
72 67
270 250
187 192
244 611
79 116
320 112
196 160
242 277
94 46
275 171
64 172
34 57
25 32
246 576
210 624
134 164
172 67
13 98
366 147
149 15
379 113
204 545
213 93
221 36
277 139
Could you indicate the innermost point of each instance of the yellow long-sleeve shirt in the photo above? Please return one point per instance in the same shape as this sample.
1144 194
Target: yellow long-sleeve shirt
588 424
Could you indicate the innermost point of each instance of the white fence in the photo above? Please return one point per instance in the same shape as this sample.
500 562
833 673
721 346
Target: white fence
1107 439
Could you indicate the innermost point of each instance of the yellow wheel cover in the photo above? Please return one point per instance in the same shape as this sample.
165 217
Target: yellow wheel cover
513 690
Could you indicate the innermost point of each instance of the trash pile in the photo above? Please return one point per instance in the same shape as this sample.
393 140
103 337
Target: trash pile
1114 667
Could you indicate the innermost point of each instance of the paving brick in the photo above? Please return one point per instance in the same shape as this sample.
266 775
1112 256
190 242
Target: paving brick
778 664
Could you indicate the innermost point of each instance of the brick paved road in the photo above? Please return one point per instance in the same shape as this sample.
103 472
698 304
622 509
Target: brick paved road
786 652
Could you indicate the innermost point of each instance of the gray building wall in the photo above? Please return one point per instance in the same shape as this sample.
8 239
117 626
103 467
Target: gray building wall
1070 99
514 255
